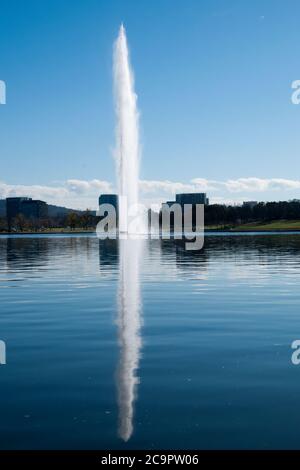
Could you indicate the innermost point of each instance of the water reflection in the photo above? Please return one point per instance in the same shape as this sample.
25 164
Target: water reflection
129 325
128 254
235 281
108 254
32 252
124 257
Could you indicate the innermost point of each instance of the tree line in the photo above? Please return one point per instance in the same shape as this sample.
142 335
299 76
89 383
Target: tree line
217 214
73 220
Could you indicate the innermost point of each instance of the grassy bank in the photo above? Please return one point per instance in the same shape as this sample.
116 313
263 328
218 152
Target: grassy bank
273 225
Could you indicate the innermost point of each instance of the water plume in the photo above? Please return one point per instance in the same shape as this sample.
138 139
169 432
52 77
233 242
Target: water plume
127 151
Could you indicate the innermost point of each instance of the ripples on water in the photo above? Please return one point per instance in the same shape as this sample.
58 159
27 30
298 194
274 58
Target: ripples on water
146 345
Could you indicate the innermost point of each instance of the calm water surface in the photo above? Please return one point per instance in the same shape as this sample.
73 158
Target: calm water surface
141 344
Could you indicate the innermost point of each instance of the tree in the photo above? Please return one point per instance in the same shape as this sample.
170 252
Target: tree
20 222
3 224
72 220
86 219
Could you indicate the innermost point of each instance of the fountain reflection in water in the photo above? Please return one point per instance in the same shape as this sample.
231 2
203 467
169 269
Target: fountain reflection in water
129 325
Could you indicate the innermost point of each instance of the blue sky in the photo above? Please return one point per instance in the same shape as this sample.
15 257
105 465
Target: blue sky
213 79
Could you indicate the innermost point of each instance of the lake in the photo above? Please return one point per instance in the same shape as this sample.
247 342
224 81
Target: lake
141 344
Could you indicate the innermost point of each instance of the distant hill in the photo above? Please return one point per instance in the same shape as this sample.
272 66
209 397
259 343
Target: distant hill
60 211
53 211
2 208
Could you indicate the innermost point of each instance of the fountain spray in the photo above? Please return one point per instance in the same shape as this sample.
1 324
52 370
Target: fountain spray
127 151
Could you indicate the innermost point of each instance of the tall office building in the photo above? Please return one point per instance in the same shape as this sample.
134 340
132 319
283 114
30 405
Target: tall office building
13 208
185 199
111 199
29 208
34 209
192 198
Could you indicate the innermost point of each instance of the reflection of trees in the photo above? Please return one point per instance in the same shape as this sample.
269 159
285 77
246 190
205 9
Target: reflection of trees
185 261
271 245
30 251
261 248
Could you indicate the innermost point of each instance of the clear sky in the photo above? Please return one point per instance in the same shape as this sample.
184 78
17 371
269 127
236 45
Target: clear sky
213 79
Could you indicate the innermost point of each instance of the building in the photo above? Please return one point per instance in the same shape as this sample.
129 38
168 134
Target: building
111 199
29 208
250 204
13 208
192 198
169 203
188 198
183 199
34 209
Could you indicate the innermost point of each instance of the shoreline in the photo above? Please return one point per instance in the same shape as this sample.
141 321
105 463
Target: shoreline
54 232
270 230
212 230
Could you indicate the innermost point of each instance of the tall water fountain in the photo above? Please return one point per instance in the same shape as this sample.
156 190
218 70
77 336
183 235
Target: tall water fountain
131 223
127 151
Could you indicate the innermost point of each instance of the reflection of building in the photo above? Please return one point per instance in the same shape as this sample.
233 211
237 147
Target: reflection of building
29 208
108 254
